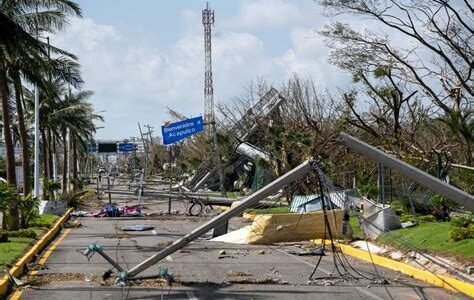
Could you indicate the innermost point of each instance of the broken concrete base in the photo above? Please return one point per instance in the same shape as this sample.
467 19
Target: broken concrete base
52 207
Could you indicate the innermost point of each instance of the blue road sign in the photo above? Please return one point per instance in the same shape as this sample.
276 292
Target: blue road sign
91 148
178 131
126 147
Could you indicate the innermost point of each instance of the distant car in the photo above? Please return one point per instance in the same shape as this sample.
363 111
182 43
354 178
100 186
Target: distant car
101 171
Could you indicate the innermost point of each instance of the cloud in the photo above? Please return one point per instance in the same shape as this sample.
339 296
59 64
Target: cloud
272 14
136 78
87 33
136 82
307 56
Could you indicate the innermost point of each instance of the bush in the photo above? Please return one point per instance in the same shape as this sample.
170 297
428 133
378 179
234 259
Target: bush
7 195
427 218
407 218
462 228
71 199
28 207
441 206
43 221
368 190
405 203
79 182
462 221
49 186
24 233
461 233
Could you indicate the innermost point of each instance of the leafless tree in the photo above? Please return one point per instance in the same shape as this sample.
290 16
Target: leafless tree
426 44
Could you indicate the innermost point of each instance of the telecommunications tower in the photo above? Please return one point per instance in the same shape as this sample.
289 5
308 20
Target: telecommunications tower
207 21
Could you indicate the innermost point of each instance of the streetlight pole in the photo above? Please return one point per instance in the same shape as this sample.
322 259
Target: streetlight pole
36 168
36 164
37 150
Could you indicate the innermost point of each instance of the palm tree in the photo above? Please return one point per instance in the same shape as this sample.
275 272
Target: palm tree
77 116
82 129
72 112
18 19
12 37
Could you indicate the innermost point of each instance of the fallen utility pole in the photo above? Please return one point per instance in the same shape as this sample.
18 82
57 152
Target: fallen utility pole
293 175
423 178
196 197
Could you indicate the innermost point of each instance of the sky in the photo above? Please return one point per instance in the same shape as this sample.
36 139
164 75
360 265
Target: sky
142 56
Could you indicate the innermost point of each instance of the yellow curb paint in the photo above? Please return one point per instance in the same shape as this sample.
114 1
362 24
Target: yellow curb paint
444 281
50 250
16 295
17 269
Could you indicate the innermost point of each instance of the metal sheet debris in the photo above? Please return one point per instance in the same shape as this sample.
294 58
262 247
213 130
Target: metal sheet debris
137 228
378 218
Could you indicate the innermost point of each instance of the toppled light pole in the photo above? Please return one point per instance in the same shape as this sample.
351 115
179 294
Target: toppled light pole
423 178
293 175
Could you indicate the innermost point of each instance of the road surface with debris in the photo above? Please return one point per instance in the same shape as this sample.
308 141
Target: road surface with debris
205 269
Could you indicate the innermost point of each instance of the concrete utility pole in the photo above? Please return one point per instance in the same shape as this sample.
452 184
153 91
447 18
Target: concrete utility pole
149 141
423 178
145 146
293 175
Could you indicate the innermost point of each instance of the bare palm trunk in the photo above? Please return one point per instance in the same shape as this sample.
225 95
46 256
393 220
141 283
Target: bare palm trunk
23 134
55 164
74 162
50 153
64 183
45 162
44 148
10 154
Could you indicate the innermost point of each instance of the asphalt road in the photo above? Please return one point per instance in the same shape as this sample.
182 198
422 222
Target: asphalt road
202 272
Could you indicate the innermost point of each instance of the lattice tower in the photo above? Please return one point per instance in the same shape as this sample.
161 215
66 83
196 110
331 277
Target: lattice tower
207 21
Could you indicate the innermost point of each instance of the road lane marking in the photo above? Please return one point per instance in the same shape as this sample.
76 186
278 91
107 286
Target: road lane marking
191 296
51 248
17 294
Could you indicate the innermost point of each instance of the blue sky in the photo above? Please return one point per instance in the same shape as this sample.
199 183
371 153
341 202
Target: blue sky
141 56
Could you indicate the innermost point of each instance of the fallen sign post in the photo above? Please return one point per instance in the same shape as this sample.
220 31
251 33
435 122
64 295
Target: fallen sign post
175 132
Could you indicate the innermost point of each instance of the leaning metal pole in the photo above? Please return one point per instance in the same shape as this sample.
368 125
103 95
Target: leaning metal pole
413 173
293 175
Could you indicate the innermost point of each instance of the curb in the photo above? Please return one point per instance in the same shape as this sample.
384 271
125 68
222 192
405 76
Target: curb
444 281
19 266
